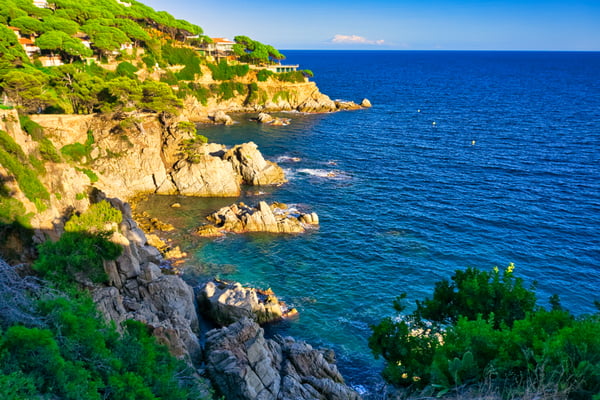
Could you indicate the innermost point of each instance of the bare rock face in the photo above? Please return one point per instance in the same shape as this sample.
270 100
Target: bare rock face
139 290
228 302
249 163
365 103
277 218
221 118
244 365
210 176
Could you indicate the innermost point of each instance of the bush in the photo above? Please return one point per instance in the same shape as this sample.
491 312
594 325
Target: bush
98 218
225 72
78 356
263 75
486 326
473 292
76 256
18 164
126 69
77 151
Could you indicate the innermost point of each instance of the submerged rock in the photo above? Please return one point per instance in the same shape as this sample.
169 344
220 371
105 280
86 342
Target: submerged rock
265 118
228 302
244 365
277 218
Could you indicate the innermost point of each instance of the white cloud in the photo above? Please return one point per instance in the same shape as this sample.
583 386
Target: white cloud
355 39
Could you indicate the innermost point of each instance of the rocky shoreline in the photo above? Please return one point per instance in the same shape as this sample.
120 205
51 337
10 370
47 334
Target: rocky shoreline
129 154
274 218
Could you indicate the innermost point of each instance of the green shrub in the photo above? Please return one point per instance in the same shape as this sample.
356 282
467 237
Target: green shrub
292 76
17 163
48 151
485 326
225 72
34 129
76 355
77 151
473 292
95 219
263 75
90 174
126 69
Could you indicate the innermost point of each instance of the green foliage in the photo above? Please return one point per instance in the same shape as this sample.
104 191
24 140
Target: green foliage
77 151
76 255
192 148
292 76
78 356
225 72
255 52
26 88
264 74
228 90
281 95
457 338
183 56
34 129
473 292
96 219
90 174
186 127
19 165
126 69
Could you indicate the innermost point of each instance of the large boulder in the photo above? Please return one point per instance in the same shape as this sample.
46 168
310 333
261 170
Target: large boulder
250 164
219 117
244 365
228 302
276 218
207 177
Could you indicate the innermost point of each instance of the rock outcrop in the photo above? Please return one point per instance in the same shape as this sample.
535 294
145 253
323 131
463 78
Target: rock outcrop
240 218
249 163
244 365
228 302
152 154
140 291
268 119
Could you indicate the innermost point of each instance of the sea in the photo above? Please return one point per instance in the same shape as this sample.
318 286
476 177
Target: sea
466 159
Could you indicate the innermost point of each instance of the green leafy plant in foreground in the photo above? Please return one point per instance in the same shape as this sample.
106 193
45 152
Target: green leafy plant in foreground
486 326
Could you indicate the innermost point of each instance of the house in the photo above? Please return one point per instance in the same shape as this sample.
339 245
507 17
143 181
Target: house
51 61
282 68
223 46
29 46
40 3
16 30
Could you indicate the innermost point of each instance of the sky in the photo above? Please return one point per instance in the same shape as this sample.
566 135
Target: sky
398 24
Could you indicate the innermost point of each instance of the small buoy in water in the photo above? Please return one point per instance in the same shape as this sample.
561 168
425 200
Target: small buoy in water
433 123
472 143
419 110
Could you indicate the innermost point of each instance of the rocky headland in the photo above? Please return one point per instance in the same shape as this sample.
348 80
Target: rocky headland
122 155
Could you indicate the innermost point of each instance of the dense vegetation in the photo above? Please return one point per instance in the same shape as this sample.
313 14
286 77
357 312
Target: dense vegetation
118 56
54 344
485 327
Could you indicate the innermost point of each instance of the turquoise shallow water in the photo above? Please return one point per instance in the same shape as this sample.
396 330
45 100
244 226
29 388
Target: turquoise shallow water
509 172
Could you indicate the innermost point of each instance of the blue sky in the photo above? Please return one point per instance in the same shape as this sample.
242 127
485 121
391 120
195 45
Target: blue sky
395 25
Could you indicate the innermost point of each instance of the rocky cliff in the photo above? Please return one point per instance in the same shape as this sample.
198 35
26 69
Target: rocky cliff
133 153
268 96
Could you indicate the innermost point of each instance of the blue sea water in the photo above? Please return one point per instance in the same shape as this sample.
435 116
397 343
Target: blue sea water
465 159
